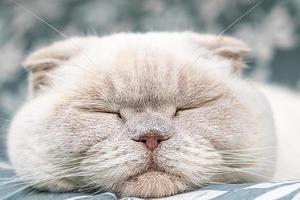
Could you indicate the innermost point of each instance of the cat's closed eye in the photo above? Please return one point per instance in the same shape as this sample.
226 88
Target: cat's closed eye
208 102
180 110
94 109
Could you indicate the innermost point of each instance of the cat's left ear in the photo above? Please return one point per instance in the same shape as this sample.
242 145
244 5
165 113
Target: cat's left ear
227 47
43 62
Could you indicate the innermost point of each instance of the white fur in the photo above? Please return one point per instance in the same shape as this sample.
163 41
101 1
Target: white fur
286 110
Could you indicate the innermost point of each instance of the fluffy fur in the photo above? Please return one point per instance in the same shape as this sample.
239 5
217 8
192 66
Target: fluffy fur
91 99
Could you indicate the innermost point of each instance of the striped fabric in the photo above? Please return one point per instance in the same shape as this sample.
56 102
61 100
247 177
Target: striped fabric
288 190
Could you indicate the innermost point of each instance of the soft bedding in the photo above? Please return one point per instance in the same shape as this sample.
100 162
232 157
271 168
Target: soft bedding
288 190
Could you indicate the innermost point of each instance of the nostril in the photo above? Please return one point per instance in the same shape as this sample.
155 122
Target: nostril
151 141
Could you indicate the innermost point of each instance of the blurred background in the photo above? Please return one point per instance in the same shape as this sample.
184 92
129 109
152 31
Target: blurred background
271 29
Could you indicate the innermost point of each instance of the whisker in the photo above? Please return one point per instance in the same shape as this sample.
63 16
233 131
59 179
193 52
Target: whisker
14 192
39 18
48 24
241 17
248 149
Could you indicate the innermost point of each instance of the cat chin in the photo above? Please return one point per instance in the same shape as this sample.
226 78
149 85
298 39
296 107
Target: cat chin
153 184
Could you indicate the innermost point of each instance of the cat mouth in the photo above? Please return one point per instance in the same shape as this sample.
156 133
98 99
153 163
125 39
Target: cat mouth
151 170
147 173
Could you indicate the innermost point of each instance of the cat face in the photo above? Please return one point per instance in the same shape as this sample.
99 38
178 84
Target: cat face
145 115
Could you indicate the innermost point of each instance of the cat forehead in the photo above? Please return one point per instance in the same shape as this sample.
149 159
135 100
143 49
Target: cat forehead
138 79
135 55
133 69
134 45
126 50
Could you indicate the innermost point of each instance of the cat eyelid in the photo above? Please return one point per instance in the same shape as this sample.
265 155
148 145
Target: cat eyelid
202 104
92 109
183 109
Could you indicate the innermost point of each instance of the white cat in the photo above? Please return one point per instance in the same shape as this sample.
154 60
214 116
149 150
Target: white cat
149 115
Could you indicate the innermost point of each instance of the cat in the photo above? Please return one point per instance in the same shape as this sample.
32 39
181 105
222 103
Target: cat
146 115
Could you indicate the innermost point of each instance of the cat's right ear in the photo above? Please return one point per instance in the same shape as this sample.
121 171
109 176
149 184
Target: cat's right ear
227 47
42 62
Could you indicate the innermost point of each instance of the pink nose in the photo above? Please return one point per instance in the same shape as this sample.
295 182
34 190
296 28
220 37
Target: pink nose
151 140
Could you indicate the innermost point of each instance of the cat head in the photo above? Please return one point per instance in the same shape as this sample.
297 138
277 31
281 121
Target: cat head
146 115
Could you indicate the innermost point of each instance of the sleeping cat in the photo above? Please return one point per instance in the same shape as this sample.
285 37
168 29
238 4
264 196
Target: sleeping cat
148 115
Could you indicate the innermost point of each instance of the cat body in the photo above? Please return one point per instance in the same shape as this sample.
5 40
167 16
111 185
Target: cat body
285 106
146 115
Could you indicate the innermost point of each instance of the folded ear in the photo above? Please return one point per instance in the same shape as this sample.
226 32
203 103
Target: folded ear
227 47
42 62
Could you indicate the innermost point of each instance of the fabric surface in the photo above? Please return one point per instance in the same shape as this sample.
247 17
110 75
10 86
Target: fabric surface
10 189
